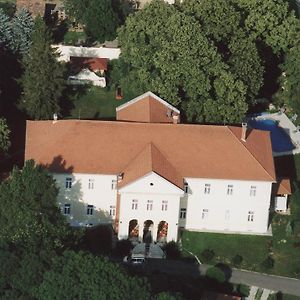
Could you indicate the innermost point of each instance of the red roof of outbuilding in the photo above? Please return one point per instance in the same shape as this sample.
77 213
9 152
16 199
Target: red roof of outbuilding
93 63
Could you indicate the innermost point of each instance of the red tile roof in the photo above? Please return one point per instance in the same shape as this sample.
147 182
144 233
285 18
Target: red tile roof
92 63
147 108
150 159
283 187
197 151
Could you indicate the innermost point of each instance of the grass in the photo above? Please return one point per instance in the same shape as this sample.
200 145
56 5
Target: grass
73 37
90 102
280 296
226 246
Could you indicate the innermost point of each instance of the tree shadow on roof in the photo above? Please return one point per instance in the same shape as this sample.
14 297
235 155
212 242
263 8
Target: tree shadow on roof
59 165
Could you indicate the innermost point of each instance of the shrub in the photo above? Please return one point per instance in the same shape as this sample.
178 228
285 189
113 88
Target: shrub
216 274
207 255
268 263
123 247
237 260
172 250
244 290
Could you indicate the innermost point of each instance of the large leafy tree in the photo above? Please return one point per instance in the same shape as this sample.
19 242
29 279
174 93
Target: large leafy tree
83 276
206 56
173 57
21 27
4 136
42 80
100 20
29 213
98 17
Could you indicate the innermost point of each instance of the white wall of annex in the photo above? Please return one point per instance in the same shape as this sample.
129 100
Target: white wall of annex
102 196
228 212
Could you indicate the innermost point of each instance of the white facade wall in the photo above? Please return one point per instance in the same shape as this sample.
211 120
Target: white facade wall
155 188
102 197
228 212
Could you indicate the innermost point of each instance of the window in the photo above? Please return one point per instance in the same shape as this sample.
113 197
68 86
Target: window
68 182
250 216
112 210
182 213
207 189
149 204
253 191
204 213
229 189
67 209
113 184
91 184
90 210
186 187
134 204
164 205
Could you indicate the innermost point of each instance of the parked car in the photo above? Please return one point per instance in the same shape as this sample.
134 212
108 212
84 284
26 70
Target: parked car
135 259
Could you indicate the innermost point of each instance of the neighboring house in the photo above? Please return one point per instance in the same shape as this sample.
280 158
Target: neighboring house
281 192
84 71
66 52
151 179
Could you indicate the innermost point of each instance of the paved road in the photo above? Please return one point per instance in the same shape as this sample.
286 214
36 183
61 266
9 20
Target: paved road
275 283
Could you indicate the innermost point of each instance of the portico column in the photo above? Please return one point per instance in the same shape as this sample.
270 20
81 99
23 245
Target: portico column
141 230
154 232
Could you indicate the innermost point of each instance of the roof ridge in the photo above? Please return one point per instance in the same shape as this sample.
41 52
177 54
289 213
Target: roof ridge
252 155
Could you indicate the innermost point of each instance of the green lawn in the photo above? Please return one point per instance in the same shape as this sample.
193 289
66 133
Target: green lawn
253 249
90 102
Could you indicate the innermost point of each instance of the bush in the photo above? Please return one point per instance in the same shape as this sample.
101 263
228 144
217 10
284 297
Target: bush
237 260
243 290
268 263
123 247
207 255
172 250
216 274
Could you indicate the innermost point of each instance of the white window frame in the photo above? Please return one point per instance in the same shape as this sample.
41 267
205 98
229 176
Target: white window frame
112 210
204 214
186 188
114 184
164 205
250 216
91 184
149 204
68 183
253 190
67 209
207 188
90 210
134 204
229 189
182 214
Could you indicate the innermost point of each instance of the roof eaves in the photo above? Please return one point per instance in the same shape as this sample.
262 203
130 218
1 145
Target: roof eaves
271 177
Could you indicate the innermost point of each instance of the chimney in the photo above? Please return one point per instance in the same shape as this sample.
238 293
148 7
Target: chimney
244 132
175 119
54 118
120 177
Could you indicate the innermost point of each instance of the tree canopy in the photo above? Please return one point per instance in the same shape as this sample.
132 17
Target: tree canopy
206 57
42 81
98 16
4 136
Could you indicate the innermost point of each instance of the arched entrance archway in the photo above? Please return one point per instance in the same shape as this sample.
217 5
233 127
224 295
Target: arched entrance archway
147 233
162 232
133 230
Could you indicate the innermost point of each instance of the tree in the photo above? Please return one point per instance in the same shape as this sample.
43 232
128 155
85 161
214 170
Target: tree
100 20
83 276
4 135
289 80
42 80
29 213
5 29
22 26
171 56
98 16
